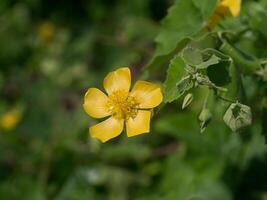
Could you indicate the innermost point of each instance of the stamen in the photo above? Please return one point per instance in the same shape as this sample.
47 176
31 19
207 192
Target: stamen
122 106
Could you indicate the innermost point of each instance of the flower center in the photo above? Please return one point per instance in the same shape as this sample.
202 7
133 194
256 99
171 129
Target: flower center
122 106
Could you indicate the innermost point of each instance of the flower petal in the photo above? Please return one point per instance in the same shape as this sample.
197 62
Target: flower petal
95 103
118 80
107 129
148 94
230 7
140 124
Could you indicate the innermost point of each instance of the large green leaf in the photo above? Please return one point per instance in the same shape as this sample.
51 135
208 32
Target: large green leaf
185 19
174 77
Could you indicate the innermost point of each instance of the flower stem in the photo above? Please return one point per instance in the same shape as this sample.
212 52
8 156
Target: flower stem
225 99
247 66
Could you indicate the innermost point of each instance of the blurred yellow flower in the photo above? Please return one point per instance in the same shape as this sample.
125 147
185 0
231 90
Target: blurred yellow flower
132 108
229 7
225 7
10 119
46 31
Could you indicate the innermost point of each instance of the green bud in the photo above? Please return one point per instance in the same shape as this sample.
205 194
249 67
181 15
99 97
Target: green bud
187 100
204 118
203 80
237 116
184 84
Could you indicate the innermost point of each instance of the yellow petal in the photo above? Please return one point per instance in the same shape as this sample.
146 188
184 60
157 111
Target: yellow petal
230 7
148 94
107 129
118 80
95 103
140 124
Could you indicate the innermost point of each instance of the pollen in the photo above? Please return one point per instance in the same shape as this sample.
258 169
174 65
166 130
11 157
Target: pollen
122 106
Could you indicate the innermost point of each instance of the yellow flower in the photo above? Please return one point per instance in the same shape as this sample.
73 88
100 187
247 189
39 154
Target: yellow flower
10 119
225 7
229 7
46 31
124 107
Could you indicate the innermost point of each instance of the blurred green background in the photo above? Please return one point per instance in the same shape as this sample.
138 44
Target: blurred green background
50 53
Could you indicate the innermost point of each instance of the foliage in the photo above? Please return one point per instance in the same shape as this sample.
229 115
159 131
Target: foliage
208 138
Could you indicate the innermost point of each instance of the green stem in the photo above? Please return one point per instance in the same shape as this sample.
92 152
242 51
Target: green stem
245 65
241 93
225 99
205 103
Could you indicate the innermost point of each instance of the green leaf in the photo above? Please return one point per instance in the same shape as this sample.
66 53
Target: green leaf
184 84
237 116
214 62
211 61
219 73
174 85
185 19
217 67
192 56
